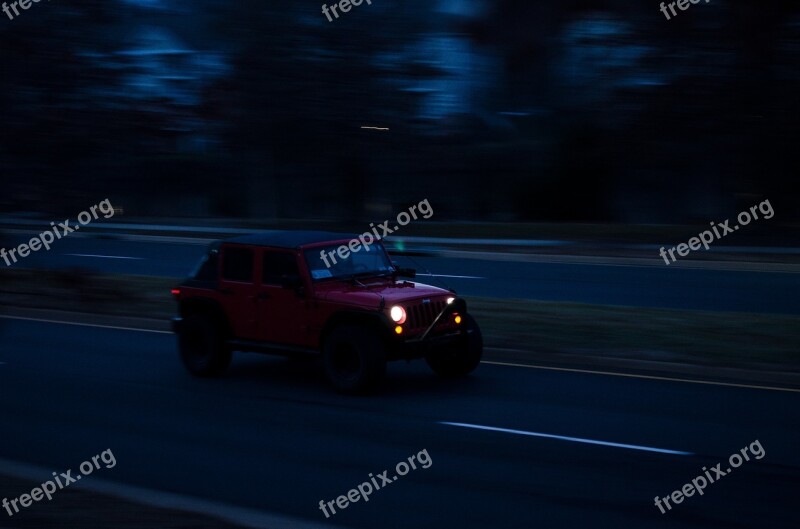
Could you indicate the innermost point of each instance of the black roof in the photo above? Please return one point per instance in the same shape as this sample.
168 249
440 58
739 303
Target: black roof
289 239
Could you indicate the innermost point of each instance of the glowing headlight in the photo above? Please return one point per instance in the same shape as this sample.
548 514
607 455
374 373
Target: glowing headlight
450 300
398 314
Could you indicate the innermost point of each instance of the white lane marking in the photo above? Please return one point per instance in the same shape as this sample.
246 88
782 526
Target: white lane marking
240 516
648 377
625 262
572 439
456 277
105 256
85 324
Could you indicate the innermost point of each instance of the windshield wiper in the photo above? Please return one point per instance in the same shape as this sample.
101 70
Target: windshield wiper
354 277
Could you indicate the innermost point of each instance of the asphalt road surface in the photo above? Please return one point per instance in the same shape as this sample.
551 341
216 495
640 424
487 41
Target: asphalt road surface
271 436
642 286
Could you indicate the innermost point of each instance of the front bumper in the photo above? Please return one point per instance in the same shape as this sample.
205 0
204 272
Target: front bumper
434 338
420 347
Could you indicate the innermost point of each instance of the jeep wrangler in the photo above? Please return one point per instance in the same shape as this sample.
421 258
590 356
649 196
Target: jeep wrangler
300 293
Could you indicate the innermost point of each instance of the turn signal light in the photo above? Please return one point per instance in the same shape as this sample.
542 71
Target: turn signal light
398 330
458 319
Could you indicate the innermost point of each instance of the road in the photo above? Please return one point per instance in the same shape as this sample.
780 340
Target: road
609 284
271 436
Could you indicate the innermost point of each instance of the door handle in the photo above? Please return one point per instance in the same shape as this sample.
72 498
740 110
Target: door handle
226 291
262 295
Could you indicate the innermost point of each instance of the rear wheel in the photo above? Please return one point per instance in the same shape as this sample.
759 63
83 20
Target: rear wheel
202 347
354 358
461 358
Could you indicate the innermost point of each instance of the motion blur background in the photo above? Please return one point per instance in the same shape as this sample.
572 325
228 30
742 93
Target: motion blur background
510 110
560 144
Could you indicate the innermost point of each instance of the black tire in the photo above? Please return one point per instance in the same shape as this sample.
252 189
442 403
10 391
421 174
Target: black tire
202 347
354 358
461 358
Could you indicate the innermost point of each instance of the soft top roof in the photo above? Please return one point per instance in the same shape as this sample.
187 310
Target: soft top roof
289 239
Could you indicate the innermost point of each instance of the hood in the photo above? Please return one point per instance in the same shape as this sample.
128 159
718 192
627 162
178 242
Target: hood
370 294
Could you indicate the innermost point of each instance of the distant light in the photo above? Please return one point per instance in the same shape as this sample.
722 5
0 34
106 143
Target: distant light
176 292
374 128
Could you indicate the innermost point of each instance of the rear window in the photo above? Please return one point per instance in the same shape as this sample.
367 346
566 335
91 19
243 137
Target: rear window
237 264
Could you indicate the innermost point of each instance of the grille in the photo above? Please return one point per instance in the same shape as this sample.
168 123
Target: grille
421 315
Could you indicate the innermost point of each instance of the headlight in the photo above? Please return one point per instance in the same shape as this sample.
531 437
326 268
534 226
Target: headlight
398 314
450 300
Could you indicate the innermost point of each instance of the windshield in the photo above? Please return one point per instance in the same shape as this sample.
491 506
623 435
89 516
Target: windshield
326 262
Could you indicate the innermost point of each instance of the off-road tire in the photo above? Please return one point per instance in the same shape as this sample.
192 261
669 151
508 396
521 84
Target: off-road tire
461 358
202 346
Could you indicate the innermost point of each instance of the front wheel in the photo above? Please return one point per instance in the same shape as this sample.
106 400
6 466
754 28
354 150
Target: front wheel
202 347
354 358
461 358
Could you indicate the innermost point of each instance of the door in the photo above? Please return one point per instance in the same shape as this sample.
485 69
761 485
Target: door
282 306
238 290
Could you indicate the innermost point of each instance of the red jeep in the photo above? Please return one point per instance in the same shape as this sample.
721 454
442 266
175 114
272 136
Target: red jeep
310 292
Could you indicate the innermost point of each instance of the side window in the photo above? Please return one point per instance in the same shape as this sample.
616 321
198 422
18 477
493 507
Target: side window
278 265
237 264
